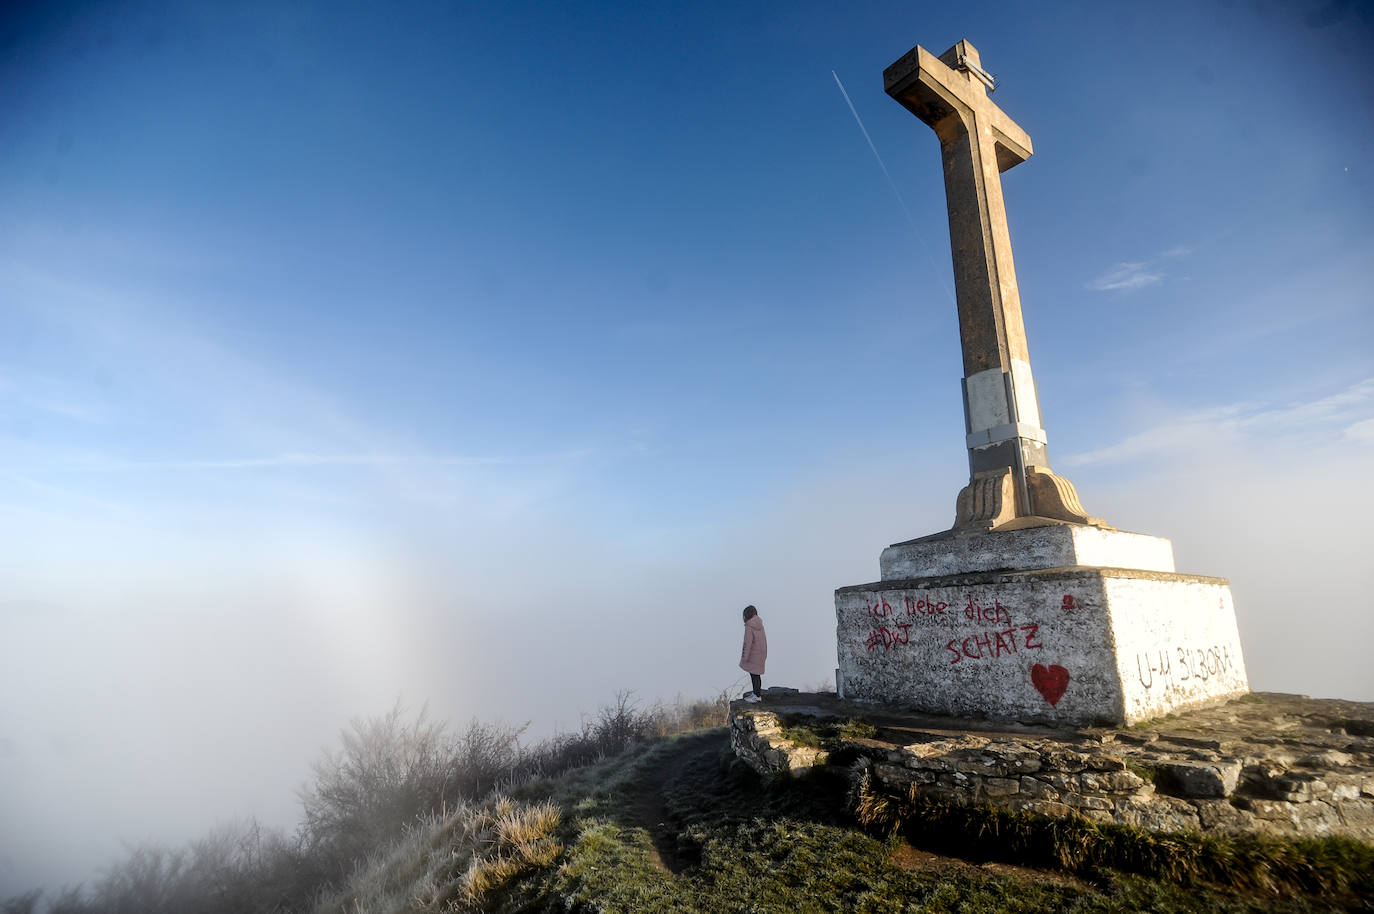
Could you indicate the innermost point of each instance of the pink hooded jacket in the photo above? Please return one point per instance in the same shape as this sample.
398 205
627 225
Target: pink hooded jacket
755 650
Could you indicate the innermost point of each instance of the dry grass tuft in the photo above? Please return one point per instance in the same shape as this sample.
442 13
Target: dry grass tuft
516 837
454 863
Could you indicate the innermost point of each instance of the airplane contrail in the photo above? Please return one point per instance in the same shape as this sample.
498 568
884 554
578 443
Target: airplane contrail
893 184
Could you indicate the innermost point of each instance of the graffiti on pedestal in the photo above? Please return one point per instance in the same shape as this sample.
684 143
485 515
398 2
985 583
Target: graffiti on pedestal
1050 681
893 624
983 628
1182 669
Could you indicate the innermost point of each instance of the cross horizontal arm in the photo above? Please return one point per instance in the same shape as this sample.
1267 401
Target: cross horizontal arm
934 91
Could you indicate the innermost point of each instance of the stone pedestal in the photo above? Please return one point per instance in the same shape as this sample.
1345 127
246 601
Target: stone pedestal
1048 546
1059 624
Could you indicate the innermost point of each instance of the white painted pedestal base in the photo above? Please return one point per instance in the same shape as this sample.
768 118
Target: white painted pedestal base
1076 645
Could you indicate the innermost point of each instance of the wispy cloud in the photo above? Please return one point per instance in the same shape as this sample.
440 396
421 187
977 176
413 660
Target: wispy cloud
1360 431
1125 277
46 395
1346 413
1129 276
331 460
176 413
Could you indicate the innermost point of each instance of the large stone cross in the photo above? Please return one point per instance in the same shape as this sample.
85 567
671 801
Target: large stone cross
1009 466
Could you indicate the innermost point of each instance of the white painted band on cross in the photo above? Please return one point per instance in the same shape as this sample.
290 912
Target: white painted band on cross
986 396
1005 433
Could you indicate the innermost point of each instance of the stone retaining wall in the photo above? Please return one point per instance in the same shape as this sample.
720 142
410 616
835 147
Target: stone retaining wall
1169 778
757 739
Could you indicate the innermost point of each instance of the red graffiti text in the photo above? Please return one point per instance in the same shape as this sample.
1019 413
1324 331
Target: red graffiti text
886 637
995 613
880 609
924 606
991 645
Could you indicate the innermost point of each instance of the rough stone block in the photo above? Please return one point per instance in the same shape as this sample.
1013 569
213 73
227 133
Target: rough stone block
1221 815
1061 782
1318 817
888 773
1037 789
1001 787
1301 788
1357 814
1156 813
803 757
1090 782
921 763
1015 758
1080 801
1344 792
1276 810
1202 779
1046 807
981 765
1110 781
1327 758
1064 760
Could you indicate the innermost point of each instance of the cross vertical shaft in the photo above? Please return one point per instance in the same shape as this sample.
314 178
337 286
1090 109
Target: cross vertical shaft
1009 466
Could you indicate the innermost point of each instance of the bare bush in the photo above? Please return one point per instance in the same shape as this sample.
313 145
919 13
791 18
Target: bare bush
25 903
620 725
685 715
71 900
237 867
395 785
484 757
389 772
244 867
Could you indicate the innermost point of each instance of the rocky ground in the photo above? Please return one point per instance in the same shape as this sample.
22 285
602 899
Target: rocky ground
1266 763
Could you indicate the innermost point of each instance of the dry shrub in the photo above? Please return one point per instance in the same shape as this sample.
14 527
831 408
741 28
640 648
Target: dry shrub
395 810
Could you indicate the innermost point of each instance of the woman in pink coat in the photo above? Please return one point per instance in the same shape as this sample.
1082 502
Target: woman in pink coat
754 653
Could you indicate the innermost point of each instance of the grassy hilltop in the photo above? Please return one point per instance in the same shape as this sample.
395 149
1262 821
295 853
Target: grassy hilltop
676 826
647 811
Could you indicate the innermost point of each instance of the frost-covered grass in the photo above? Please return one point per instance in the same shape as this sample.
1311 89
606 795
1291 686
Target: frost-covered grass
453 862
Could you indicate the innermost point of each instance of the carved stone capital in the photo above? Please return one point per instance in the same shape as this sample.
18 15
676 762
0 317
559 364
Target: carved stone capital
1055 497
987 502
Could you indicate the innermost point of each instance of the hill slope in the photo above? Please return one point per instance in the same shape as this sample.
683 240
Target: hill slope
678 826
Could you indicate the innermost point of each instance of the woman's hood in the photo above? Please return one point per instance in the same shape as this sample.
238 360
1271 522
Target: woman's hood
756 623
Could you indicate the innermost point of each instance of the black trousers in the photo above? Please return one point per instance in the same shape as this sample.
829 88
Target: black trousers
757 682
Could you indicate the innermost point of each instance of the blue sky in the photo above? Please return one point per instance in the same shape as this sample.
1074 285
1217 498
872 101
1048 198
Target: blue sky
493 355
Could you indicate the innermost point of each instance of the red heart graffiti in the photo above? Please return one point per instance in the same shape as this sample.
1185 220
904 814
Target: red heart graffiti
1050 682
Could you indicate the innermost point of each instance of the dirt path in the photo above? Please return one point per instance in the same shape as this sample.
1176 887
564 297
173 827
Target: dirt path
916 860
646 807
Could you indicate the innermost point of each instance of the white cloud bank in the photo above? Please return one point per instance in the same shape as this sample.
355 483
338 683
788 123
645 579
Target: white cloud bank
1347 414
